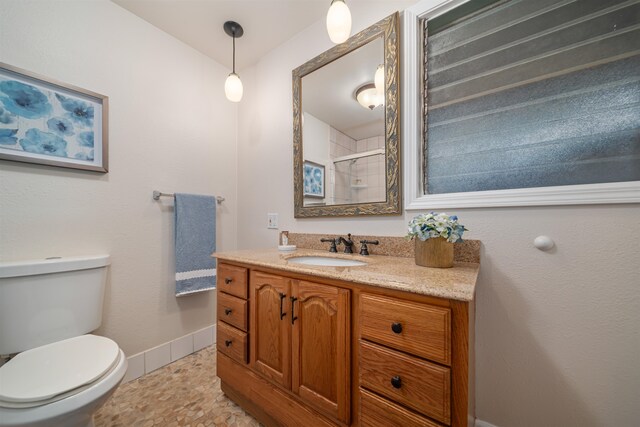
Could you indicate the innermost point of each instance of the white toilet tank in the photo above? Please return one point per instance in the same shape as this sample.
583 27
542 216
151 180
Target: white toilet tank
48 300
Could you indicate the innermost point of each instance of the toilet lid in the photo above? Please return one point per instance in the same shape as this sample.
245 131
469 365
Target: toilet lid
52 369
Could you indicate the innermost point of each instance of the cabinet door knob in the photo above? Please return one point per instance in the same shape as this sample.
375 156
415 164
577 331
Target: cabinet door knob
228 343
227 280
396 327
396 382
227 311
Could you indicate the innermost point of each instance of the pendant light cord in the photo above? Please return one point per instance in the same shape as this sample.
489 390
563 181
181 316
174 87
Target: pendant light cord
234 52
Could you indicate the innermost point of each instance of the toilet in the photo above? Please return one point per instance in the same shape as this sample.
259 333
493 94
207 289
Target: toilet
59 375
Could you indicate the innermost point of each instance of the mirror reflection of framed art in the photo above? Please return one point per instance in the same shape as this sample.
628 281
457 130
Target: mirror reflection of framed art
314 180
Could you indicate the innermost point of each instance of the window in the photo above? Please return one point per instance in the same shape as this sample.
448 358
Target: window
529 95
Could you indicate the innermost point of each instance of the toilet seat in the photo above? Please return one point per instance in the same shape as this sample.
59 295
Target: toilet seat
55 371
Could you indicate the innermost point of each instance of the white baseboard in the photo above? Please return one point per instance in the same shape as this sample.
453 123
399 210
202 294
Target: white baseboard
157 357
480 423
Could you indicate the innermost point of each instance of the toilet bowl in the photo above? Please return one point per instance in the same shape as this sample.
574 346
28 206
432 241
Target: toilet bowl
60 384
60 374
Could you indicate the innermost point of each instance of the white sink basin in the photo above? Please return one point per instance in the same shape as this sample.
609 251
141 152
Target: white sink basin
325 261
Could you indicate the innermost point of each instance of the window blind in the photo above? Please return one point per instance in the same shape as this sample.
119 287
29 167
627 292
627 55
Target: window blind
531 93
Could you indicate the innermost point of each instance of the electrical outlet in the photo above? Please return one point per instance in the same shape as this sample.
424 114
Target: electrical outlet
272 220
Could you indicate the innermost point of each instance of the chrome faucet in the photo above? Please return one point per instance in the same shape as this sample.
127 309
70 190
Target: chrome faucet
348 243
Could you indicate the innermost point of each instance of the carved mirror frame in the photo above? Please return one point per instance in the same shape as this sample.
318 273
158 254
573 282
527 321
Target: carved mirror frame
388 28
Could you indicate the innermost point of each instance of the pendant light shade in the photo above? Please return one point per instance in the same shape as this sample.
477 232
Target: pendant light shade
233 88
339 21
233 85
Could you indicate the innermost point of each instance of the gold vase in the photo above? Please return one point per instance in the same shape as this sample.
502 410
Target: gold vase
436 252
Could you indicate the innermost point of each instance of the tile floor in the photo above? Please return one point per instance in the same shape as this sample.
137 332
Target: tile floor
184 393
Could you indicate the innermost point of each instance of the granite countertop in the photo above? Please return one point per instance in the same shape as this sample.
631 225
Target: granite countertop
399 273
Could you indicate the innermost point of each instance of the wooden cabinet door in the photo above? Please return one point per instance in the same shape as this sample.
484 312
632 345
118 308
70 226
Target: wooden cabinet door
270 327
320 347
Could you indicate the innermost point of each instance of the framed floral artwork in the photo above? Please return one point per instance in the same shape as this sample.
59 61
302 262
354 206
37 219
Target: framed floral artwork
51 123
313 180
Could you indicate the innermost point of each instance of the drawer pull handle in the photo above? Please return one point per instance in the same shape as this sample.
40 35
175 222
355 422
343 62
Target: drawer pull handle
227 311
228 343
396 382
293 316
282 313
396 327
228 280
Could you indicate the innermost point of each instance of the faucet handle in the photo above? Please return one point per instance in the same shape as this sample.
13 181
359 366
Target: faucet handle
364 250
333 244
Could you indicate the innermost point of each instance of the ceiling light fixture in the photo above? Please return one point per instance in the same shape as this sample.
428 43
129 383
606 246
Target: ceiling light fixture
233 84
367 95
338 21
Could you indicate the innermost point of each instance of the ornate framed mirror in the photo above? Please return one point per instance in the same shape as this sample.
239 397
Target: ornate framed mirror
346 137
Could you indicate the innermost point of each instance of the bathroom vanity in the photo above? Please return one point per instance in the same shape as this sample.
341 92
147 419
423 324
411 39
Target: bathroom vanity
388 343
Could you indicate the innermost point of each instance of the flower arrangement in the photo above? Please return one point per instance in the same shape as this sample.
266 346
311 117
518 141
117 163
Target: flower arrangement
431 225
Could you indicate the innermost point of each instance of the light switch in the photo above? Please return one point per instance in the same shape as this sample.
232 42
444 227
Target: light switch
272 220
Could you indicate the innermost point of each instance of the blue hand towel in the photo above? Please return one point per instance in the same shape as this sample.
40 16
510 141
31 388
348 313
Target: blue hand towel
195 242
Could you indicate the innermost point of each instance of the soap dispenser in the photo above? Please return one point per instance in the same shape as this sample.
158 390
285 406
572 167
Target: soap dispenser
283 244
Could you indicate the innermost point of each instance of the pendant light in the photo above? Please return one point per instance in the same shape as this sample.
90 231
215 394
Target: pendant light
233 84
338 21
379 78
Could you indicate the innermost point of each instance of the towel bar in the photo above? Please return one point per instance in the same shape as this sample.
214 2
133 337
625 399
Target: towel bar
157 194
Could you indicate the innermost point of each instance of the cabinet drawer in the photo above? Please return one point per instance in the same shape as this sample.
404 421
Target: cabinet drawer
376 411
232 280
420 329
232 310
231 342
415 383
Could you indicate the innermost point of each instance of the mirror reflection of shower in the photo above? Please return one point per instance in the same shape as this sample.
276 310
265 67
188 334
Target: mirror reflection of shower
355 169
358 174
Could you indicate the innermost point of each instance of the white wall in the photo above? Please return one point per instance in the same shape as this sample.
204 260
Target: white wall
170 129
316 139
557 333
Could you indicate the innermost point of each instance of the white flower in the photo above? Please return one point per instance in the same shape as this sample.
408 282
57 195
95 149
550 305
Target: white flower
432 225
